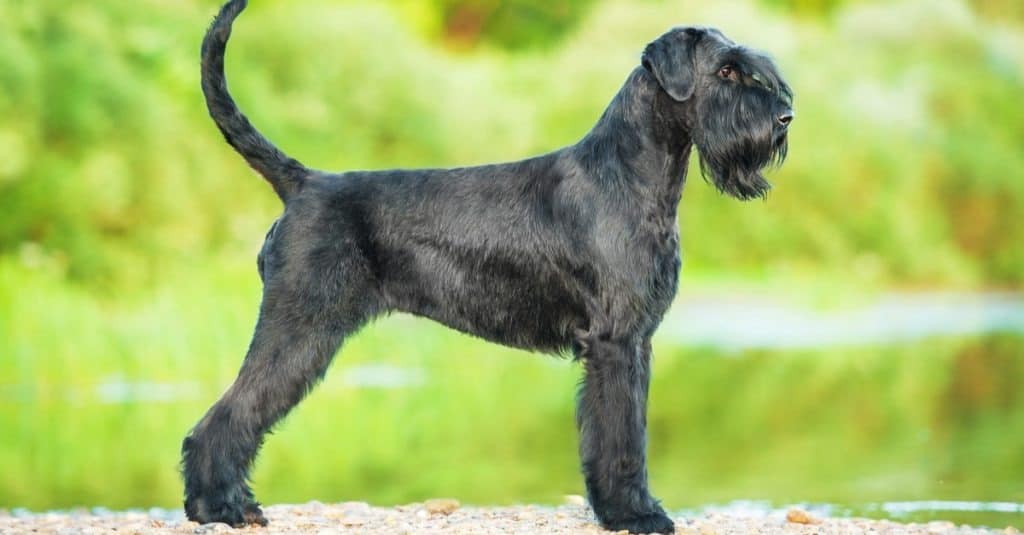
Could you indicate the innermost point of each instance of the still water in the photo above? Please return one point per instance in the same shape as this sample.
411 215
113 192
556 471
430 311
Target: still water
745 322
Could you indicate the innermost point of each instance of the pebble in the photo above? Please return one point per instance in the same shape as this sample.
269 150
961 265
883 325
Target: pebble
799 516
575 499
441 506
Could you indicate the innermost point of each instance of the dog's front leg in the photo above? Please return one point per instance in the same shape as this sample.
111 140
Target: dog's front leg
612 420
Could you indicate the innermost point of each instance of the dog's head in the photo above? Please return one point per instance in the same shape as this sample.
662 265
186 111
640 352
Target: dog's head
738 107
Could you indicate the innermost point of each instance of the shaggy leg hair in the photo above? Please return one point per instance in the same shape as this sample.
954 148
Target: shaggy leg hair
573 251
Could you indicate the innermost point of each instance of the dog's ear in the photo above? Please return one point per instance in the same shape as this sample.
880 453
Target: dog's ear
670 59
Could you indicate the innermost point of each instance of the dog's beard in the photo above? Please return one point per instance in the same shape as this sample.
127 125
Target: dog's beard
734 147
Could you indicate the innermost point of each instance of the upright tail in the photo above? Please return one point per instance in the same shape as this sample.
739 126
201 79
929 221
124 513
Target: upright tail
285 174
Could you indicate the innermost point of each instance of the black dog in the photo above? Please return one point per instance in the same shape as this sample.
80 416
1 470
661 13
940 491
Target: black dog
574 250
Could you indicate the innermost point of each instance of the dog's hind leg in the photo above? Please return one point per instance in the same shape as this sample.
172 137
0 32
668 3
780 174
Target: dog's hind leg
612 420
298 332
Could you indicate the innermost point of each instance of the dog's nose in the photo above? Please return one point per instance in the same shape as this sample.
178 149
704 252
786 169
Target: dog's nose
786 118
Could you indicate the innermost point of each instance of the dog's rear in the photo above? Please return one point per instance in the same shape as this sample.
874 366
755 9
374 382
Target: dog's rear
285 174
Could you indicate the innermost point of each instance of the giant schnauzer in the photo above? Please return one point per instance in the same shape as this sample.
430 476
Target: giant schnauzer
573 251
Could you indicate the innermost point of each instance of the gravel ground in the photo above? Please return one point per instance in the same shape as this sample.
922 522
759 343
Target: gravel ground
447 516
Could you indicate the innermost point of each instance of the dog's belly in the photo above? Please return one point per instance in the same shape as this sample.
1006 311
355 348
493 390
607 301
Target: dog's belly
498 299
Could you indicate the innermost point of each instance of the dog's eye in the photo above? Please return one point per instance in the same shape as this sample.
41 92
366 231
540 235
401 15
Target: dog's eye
728 72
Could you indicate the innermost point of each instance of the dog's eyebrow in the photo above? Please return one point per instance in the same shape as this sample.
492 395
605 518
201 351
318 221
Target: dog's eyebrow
723 57
760 68
760 79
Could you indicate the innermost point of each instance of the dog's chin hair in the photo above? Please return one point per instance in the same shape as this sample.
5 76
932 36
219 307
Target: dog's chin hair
741 178
737 183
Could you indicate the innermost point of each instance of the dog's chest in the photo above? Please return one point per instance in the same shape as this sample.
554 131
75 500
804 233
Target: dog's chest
664 270
653 261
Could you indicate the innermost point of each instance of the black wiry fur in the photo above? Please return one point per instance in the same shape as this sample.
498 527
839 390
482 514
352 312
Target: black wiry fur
574 250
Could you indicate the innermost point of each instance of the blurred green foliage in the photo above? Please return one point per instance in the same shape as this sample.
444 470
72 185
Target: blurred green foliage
995 10
905 166
512 25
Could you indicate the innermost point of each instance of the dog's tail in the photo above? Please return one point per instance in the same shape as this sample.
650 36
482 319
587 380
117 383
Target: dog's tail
285 174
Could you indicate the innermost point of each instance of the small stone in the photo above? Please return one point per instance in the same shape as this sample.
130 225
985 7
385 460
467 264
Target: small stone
445 506
799 516
575 499
352 521
940 527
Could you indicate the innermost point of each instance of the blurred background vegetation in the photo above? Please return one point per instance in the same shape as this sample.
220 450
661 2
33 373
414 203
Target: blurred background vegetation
129 230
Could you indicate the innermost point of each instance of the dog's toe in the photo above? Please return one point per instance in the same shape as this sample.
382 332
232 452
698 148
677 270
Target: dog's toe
254 516
657 522
233 514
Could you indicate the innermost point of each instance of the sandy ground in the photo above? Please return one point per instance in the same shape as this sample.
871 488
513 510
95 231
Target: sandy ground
447 516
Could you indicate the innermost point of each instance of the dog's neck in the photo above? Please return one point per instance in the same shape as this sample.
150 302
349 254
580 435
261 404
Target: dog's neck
645 131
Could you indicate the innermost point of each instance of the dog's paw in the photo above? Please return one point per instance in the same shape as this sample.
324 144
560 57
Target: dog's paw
656 522
254 515
232 514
